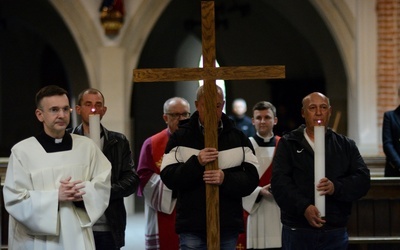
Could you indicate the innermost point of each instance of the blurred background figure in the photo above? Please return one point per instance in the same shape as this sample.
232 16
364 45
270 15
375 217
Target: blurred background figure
242 121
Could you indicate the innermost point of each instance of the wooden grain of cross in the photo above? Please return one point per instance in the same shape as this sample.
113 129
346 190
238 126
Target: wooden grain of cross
209 73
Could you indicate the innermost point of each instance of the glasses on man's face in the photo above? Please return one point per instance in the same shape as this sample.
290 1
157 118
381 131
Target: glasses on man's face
56 110
179 115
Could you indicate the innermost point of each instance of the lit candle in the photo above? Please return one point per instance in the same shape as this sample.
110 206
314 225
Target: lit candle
319 165
94 128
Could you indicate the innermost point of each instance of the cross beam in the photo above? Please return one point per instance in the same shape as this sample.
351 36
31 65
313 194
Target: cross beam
209 73
221 73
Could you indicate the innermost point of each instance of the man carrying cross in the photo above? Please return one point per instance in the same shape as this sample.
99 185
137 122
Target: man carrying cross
183 171
209 73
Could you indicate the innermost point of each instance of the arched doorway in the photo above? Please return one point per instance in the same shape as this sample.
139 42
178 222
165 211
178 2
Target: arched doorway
289 33
36 49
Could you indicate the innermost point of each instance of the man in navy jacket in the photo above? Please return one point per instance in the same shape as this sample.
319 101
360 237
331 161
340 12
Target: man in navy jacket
391 141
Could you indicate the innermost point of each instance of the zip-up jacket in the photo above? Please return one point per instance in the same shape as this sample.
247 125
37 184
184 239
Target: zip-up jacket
182 173
293 178
124 180
391 142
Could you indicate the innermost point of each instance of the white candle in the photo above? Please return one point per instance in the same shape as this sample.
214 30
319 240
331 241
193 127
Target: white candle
319 165
94 128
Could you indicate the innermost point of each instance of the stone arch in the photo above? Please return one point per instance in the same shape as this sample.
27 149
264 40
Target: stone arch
353 25
86 36
37 49
308 57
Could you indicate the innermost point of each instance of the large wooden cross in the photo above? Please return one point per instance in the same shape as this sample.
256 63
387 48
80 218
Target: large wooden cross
209 73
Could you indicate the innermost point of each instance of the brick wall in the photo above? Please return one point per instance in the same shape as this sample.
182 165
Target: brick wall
388 16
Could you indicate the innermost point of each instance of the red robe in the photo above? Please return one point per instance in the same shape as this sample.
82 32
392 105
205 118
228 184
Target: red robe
163 237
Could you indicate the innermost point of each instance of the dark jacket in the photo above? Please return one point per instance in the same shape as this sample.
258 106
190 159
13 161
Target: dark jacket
182 173
244 124
124 180
293 178
391 142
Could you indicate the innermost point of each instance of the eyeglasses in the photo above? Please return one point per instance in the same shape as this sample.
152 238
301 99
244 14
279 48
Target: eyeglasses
179 115
56 110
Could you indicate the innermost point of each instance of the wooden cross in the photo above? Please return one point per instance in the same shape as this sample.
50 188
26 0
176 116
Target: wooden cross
209 73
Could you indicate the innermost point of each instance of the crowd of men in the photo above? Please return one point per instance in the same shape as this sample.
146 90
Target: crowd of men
64 190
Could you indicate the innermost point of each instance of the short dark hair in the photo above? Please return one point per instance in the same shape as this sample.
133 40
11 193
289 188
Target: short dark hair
50 90
263 105
89 91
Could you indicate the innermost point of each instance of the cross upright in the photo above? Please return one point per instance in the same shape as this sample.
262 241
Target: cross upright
209 73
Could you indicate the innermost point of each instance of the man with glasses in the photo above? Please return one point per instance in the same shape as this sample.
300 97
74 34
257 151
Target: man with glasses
57 184
159 201
109 230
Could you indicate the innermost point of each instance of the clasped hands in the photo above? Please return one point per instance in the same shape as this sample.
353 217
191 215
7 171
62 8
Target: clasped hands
313 216
214 177
71 190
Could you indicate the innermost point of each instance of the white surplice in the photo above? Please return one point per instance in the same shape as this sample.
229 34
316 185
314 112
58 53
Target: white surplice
37 219
158 198
264 228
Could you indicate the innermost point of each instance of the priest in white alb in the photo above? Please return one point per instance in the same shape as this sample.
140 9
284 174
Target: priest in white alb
57 185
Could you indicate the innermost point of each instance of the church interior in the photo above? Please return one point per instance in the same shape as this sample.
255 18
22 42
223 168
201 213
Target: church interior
331 47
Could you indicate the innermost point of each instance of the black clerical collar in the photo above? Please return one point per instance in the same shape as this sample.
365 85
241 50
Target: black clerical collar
267 138
52 145
264 142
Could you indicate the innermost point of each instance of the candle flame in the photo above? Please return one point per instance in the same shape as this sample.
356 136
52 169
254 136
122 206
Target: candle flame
319 122
93 110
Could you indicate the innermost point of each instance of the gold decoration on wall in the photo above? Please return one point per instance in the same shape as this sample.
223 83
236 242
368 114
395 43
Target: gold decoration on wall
112 16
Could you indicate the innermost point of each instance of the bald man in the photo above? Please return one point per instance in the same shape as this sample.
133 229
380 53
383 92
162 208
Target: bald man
347 179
